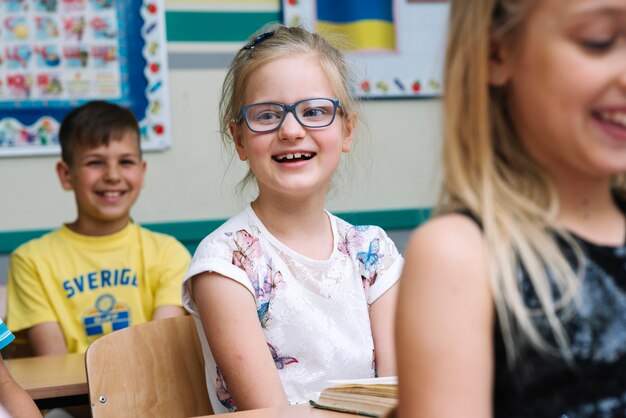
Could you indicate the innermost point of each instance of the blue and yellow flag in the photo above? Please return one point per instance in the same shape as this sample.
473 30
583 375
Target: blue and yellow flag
368 24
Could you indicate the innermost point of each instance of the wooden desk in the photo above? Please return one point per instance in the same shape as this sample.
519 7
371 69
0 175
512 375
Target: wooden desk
52 381
294 411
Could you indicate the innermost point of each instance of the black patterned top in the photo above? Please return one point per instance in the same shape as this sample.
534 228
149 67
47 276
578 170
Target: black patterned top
543 385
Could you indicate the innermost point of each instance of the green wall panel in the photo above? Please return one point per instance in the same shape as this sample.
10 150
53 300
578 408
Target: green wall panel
190 233
195 26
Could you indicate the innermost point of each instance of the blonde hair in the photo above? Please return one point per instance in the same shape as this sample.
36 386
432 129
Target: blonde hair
263 48
488 172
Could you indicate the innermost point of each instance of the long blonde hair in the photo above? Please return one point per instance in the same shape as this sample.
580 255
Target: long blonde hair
488 172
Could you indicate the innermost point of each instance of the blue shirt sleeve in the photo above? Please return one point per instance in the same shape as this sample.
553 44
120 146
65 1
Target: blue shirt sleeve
6 336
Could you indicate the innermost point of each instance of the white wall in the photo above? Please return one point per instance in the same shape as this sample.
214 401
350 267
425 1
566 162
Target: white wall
187 182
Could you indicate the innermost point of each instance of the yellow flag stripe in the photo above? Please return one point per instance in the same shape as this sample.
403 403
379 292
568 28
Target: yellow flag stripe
365 34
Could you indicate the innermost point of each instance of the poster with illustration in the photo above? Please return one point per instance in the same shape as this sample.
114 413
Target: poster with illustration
396 47
57 54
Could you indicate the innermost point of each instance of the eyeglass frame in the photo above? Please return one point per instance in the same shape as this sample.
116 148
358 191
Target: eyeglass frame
289 108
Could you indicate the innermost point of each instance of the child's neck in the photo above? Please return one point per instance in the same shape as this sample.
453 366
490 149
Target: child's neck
589 210
303 226
97 229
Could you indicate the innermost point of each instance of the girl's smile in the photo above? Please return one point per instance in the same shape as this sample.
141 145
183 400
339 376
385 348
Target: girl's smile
566 79
293 157
613 122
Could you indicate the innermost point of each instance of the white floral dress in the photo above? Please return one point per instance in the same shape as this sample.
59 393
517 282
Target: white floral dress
314 313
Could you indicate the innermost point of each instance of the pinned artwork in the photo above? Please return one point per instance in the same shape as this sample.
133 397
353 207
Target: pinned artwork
58 54
397 47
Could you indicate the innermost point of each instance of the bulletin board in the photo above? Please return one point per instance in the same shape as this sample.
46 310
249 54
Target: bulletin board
396 47
58 54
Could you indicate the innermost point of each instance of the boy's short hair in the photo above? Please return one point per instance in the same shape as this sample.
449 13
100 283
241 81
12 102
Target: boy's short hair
94 124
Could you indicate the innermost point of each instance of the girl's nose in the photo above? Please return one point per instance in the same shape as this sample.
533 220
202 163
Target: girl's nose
291 129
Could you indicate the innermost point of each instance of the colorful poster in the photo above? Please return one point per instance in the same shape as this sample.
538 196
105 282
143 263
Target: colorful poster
397 47
57 54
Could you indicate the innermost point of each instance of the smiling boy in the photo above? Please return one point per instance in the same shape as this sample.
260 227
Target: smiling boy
101 272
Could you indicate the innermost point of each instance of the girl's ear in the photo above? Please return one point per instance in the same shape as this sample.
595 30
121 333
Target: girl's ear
63 172
348 128
500 61
235 133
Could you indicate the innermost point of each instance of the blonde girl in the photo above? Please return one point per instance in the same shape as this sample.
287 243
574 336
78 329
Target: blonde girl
287 296
513 299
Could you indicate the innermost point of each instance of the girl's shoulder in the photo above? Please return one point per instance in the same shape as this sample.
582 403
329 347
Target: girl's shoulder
370 248
457 224
454 236
345 228
446 264
361 236
238 229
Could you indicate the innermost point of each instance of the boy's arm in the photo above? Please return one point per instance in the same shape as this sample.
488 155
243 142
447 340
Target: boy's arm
13 398
174 262
167 311
382 318
28 306
46 339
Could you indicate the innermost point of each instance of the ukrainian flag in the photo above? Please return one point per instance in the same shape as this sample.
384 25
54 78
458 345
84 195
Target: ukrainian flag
367 24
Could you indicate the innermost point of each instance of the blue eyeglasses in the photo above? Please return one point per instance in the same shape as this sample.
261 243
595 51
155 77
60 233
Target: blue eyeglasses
310 113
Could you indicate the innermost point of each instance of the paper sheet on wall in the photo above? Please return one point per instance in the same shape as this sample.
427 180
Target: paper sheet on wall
57 54
397 46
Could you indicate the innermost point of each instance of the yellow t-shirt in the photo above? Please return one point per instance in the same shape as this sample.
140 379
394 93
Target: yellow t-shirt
93 285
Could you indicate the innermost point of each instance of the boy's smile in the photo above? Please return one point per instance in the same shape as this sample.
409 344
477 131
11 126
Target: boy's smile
106 181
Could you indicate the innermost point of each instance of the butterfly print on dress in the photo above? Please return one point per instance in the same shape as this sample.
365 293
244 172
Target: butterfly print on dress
352 240
280 360
248 249
223 395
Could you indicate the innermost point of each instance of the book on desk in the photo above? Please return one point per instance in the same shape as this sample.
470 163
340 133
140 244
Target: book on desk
375 397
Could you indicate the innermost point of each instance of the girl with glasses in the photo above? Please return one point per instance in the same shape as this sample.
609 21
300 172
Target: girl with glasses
513 299
287 296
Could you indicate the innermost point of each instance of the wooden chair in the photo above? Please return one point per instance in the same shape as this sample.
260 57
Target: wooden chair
155 369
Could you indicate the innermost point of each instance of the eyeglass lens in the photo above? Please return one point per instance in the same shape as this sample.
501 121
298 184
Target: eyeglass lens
313 113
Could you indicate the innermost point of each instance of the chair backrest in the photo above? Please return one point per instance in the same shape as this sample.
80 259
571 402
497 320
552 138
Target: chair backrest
155 369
